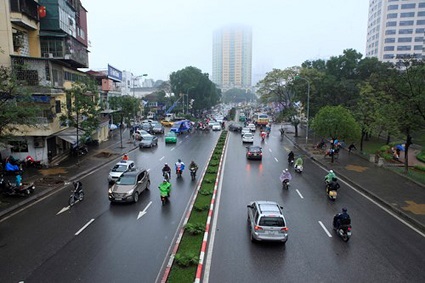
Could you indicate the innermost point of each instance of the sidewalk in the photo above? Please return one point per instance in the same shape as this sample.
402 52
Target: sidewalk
394 191
58 177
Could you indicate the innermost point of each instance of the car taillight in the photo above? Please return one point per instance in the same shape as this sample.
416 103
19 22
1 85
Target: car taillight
349 229
256 228
284 229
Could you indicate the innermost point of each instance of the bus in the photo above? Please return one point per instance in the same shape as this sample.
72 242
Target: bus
261 119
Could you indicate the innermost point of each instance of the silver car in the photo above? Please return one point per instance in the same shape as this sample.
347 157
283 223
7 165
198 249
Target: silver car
266 222
128 187
120 168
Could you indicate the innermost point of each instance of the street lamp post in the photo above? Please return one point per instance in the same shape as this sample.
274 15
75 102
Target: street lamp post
308 105
187 99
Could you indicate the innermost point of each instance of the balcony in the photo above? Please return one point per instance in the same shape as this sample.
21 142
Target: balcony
24 13
63 47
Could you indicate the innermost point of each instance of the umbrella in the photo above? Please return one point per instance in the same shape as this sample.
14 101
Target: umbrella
400 147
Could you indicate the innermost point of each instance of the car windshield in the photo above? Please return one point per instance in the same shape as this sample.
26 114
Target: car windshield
247 135
127 180
254 149
147 138
119 168
171 134
271 221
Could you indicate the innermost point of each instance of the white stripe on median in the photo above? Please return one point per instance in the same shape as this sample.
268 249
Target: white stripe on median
326 230
84 227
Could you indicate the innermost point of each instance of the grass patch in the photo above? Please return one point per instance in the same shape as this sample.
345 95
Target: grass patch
187 257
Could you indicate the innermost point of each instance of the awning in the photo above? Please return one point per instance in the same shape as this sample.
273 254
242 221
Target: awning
70 135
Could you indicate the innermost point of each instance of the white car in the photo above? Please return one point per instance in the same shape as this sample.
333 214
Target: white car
216 126
245 130
251 127
119 169
248 137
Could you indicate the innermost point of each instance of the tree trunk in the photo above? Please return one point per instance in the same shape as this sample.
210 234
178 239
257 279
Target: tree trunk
296 130
361 140
388 138
406 151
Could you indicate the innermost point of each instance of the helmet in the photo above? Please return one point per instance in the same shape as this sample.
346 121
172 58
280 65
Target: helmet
166 164
344 210
286 170
331 171
179 160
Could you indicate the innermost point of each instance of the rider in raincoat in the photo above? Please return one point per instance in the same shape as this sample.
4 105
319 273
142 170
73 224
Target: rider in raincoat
164 188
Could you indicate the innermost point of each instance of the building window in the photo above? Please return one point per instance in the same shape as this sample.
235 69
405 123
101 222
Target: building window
408 6
390 40
420 22
389 48
405 31
405 39
421 13
407 15
417 47
419 39
391 24
420 30
392 16
404 48
390 31
58 108
406 23
388 56
392 7
422 5
19 146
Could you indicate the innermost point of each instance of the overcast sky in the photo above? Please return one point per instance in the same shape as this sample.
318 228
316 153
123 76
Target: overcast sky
159 37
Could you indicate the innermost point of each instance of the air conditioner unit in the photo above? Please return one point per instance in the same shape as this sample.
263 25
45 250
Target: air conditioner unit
48 55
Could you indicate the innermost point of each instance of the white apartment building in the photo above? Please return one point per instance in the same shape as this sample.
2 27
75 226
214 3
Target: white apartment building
395 29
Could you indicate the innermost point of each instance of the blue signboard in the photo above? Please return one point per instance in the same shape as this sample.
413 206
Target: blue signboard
114 74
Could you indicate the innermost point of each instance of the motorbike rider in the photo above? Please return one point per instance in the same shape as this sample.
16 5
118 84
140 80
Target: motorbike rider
166 169
341 219
179 166
125 157
298 162
193 166
78 186
263 135
328 178
291 157
165 188
333 185
285 176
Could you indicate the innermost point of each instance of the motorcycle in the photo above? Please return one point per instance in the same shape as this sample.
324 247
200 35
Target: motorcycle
29 161
291 161
80 150
166 175
298 168
344 230
179 172
193 173
331 194
77 194
285 184
25 189
164 198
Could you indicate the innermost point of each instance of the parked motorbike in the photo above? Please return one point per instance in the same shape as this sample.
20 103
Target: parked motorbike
9 189
80 150
77 194
298 168
344 230
193 173
30 162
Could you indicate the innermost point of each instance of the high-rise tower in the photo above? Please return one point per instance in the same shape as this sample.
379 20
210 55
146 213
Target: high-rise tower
232 57
395 29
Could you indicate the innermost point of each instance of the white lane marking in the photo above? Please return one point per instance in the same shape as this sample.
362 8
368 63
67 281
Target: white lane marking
84 227
276 159
326 230
379 205
161 158
172 148
270 149
144 211
301 196
63 210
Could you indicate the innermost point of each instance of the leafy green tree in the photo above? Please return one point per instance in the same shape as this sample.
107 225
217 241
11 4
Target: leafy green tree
196 85
336 122
129 107
237 95
16 104
83 108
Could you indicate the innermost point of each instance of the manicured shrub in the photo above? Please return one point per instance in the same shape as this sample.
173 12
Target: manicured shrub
195 228
186 260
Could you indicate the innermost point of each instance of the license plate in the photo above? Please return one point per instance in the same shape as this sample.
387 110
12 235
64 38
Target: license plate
349 233
271 232
118 198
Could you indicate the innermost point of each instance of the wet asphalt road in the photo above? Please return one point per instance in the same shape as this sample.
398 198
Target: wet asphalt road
96 241
382 249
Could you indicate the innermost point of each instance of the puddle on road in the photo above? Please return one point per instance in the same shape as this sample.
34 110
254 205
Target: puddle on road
416 208
356 168
53 171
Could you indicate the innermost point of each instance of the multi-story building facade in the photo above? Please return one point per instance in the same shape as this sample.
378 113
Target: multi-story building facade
44 42
232 57
396 29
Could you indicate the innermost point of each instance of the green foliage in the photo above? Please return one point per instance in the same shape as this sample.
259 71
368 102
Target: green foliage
212 170
421 156
16 104
186 260
197 85
336 121
236 95
129 106
195 228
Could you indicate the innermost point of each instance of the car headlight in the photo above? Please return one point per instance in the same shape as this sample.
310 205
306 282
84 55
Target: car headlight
110 190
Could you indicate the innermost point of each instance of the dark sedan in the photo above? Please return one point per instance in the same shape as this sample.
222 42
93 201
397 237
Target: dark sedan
254 152
148 141
158 129
235 127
